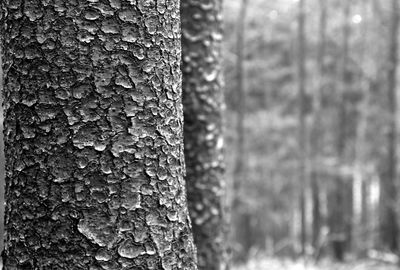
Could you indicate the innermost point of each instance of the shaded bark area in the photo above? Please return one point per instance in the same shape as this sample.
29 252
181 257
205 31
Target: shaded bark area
203 134
389 230
93 136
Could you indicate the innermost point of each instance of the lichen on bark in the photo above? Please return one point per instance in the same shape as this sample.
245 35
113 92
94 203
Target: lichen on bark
93 136
203 105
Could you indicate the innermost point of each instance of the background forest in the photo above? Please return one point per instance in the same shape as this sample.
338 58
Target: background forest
312 129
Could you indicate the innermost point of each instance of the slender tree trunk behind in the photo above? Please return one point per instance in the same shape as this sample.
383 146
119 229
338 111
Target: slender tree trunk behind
316 132
339 216
388 220
240 99
360 174
302 140
239 233
360 177
93 136
203 104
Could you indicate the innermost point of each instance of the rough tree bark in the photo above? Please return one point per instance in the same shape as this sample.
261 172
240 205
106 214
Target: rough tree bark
203 135
302 139
93 136
389 229
2 158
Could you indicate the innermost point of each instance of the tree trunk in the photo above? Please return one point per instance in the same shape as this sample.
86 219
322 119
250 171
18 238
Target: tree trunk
238 235
302 140
1 155
360 177
202 105
240 101
93 136
388 220
339 216
316 132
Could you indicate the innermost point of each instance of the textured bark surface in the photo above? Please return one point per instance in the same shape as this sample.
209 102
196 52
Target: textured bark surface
1 159
93 136
203 104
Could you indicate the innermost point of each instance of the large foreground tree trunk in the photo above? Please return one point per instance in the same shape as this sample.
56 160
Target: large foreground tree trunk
93 136
1 157
202 105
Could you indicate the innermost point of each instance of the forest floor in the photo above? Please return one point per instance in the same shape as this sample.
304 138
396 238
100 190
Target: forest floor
282 264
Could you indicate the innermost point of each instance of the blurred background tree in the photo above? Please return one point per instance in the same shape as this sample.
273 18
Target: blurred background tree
311 138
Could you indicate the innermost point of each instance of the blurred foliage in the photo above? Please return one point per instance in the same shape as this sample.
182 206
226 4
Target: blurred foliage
279 264
269 210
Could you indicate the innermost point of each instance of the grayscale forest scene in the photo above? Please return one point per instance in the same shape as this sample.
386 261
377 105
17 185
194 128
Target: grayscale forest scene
199 135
